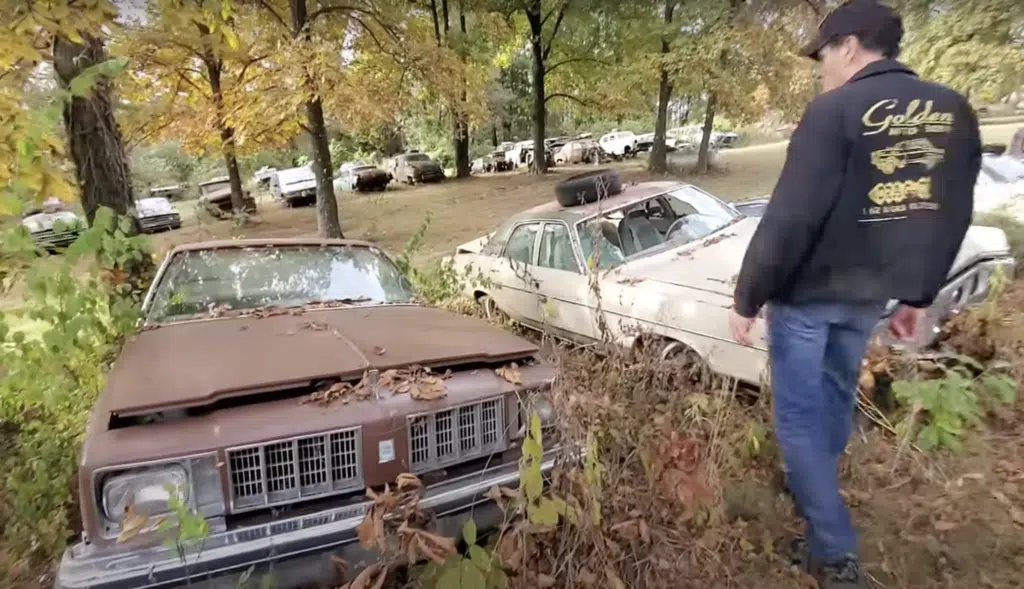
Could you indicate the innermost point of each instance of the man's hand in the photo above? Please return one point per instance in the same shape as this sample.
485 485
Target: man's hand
740 327
904 321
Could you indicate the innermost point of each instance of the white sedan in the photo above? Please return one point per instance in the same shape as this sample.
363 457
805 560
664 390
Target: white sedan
1000 186
657 263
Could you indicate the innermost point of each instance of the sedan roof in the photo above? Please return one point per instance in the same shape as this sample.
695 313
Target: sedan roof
629 195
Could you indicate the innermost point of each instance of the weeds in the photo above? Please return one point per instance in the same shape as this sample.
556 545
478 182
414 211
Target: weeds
87 300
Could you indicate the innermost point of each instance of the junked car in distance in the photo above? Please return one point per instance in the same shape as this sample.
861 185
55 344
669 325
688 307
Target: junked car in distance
578 151
294 186
360 176
273 382
215 197
666 256
53 225
415 166
156 213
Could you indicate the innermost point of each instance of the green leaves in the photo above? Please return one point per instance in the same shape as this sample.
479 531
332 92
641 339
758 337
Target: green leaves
82 84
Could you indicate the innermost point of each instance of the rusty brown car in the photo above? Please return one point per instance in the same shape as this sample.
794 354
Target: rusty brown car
220 400
215 197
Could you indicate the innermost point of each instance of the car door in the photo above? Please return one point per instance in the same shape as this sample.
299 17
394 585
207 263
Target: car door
566 302
511 273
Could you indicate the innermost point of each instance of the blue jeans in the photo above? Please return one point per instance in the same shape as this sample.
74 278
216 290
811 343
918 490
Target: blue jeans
816 351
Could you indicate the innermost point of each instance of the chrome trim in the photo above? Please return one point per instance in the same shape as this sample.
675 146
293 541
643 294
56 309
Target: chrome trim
236 505
85 565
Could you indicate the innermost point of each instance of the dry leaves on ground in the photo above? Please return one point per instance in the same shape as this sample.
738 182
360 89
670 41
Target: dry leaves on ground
418 381
372 577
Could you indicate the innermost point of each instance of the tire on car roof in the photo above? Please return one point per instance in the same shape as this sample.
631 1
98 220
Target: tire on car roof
588 187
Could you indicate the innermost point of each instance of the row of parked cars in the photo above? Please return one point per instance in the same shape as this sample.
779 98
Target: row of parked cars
584 149
277 444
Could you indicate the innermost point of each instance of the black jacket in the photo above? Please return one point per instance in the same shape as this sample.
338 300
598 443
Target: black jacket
874 199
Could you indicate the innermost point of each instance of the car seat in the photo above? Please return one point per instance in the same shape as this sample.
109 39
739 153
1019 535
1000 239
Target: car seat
637 233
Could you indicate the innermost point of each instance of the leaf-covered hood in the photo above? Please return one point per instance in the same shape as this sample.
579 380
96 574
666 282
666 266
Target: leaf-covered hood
197 362
46 221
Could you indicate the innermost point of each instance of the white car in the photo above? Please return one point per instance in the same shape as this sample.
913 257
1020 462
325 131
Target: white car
53 225
619 143
1000 186
294 186
156 213
666 256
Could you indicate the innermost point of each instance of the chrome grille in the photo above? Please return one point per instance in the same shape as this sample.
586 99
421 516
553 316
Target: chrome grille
455 435
293 470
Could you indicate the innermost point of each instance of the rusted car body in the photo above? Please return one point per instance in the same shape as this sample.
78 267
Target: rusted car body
215 197
212 396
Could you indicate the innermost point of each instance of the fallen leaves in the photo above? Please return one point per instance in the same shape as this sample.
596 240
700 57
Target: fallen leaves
343 392
510 372
372 577
134 523
630 281
716 239
418 381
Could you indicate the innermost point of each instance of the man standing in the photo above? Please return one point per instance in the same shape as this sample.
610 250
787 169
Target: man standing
872 204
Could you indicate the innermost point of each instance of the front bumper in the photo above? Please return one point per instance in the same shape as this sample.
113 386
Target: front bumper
160 223
970 287
294 552
48 239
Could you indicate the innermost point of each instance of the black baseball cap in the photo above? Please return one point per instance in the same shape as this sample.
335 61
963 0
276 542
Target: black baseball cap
856 17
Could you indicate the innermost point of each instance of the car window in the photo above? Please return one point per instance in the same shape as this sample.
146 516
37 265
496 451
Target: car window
521 243
556 249
240 279
601 249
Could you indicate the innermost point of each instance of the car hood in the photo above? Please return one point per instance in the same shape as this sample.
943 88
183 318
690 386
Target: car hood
44 221
151 207
199 362
370 172
1006 198
713 264
299 186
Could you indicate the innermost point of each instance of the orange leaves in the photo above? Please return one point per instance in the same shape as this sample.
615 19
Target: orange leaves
675 466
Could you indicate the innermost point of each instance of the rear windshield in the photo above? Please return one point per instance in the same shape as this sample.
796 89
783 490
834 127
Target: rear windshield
240 279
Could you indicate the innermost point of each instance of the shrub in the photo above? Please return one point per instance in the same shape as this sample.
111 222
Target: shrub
86 301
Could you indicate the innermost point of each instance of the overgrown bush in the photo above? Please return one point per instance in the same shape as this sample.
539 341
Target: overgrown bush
87 300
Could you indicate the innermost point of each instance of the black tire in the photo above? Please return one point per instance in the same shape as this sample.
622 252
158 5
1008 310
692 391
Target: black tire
588 187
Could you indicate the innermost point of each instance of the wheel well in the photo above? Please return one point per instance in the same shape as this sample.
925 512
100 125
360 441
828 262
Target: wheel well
659 342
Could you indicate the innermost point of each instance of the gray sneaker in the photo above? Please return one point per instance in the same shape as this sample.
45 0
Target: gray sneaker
844 574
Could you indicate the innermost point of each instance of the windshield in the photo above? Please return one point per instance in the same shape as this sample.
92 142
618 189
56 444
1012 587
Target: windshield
1004 170
417 157
241 279
668 220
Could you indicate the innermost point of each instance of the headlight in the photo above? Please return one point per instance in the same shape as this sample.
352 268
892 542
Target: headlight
149 490
538 404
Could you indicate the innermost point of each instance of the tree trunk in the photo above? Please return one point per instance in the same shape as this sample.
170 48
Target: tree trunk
703 159
328 220
686 112
227 133
460 131
658 161
94 139
535 18
494 135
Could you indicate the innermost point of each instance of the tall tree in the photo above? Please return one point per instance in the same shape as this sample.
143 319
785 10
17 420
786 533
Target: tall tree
94 138
319 45
190 70
658 160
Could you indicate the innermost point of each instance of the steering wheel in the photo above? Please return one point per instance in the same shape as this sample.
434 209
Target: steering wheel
687 222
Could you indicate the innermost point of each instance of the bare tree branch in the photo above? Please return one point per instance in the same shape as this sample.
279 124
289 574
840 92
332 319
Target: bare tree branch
554 29
275 14
550 68
568 97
